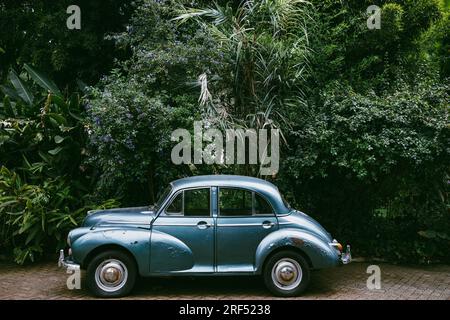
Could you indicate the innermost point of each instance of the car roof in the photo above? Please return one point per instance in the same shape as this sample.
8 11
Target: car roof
263 187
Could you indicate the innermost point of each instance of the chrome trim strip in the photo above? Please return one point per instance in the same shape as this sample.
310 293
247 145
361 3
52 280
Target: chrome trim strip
175 224
240 225
218 225
121 222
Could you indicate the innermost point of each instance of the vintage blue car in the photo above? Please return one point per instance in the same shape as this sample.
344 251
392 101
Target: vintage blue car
204 225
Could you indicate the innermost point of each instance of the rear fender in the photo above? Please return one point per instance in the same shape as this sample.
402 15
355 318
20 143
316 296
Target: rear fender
319 252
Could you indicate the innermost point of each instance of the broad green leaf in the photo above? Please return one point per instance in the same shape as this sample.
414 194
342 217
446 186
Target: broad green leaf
8 203
25 226
21 89
16 214
66 129
58 118
78 118
42 80
61 103
8 107
31 235
73 220
44 157
58 139
3 139
7 198
74 106
18 219
25 160
10 92
429 234
55 151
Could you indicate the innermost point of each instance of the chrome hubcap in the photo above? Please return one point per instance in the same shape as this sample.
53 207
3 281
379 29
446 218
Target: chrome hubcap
287 274
111 275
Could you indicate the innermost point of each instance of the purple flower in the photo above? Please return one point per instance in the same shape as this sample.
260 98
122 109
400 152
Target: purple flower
107 138
129 144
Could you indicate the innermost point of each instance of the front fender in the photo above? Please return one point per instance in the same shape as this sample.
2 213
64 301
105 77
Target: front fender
169 254
319 252
135 240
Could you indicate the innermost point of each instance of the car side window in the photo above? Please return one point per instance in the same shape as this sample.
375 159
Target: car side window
262 206
235 202
241 202
194 202
176 207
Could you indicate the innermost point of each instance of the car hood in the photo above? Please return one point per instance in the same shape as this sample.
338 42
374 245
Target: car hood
142 216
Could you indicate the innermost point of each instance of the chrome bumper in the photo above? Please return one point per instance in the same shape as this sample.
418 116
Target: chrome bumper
64 262
346 257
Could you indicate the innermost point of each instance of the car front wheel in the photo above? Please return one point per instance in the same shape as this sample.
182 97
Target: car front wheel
111 274
286 274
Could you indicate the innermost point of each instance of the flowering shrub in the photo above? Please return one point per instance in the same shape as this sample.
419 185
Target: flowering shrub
129 135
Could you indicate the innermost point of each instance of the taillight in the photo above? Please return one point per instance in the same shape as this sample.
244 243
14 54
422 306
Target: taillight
337 245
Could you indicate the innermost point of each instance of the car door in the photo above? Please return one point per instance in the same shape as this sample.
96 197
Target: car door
182 237
244 219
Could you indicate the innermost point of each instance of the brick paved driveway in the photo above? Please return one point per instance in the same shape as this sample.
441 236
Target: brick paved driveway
46 281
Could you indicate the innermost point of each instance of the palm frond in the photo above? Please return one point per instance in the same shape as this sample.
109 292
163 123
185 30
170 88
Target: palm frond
217 15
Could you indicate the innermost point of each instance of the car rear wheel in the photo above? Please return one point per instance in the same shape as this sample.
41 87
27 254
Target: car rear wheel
286 274
111 274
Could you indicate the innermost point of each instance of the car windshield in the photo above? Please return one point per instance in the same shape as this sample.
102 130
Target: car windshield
162 197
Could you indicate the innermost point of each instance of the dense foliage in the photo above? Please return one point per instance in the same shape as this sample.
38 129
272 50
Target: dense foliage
364 115
370 156
42 139
375 168
35 32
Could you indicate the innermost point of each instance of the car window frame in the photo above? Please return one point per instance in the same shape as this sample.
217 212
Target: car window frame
253 215
172 198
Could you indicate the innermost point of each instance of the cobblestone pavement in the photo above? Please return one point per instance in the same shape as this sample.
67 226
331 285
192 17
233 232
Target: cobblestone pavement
46 281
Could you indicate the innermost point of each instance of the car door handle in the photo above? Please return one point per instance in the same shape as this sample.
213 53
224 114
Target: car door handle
203 225
267 224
